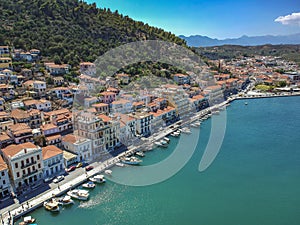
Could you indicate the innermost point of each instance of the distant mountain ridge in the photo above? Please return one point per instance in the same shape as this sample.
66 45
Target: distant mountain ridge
204 41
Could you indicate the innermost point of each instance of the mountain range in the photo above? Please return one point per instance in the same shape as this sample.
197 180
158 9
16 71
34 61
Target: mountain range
204 41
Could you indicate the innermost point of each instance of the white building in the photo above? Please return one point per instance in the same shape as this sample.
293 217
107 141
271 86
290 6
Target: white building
143 123
82 147
121 106
25 165
53 161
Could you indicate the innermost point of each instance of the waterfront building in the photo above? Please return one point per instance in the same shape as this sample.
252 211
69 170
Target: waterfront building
101 129
143 122
25 165
4 179
198 102
177 98
215 94
127 128
163 117
80 146
53 161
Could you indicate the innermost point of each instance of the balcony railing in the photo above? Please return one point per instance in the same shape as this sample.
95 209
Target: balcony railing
29 174
28 164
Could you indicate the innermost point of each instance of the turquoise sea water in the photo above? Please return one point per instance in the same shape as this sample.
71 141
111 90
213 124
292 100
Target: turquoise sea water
255 179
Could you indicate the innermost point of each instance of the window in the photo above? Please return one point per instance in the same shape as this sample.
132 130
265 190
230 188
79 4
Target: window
4 182
23 171
27 160
22 163
38 157
16 165
2 173
18 174
39 166
32 159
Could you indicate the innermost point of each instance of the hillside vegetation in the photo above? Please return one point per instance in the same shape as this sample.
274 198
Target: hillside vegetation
71 30
288 52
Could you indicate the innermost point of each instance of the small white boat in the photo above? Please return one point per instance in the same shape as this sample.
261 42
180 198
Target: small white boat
186 130
131 160
167 139
160 144
246 103
120 164
65 200
108 172
164 143
79 194
89 185
27 220
52 205
98 179
175 134
140 153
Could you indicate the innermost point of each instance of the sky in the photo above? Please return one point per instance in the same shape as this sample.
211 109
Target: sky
213 18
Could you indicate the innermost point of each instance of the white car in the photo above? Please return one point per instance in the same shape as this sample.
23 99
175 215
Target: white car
58 179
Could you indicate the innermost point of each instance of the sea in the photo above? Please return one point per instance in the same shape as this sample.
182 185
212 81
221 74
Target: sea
254 179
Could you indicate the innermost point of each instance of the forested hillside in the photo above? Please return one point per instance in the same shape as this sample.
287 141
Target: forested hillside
70 30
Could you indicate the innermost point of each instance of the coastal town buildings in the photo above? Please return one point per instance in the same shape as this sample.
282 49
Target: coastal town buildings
53 161
25 165
80 146
4 180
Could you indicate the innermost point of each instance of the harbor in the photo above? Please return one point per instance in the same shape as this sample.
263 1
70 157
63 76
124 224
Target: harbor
16 211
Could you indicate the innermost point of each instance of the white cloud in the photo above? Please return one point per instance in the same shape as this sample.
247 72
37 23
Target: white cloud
292 19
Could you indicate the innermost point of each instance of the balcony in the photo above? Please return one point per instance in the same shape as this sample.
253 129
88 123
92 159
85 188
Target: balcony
29 174
28 164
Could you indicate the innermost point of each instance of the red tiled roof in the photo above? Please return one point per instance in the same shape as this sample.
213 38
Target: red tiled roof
50 151
12 150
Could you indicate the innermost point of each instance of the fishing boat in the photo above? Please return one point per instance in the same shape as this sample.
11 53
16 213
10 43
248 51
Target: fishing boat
66 200
131 160
108 172
89 185
79 194
52 205
140 153
98 179
27 220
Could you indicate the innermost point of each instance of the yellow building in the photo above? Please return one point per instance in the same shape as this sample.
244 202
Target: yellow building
5 63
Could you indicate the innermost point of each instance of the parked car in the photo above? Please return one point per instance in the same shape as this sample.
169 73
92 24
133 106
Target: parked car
88 168
71 168
58 179
79 165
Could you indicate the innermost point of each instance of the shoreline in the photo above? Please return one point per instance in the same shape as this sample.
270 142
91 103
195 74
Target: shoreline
17 210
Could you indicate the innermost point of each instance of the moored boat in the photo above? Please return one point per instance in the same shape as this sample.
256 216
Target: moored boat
120 164
89 185
167 139
140 153
27 220
108 172
66 200
52 205
131 160
79 194
98 179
